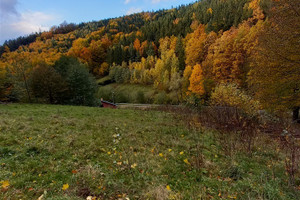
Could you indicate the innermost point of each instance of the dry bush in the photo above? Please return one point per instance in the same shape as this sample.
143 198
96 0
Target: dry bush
290 145
235 128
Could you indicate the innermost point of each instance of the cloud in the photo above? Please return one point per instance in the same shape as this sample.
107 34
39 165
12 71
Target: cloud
8 7
156 1
14 24
32 22
133 10
152 1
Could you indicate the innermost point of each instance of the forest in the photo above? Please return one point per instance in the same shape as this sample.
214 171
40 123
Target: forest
242 53
214 87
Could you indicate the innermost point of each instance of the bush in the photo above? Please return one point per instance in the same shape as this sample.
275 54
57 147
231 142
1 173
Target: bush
106 93
230 95
140 97
161 98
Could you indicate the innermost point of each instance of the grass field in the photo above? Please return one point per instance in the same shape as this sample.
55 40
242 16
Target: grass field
66 152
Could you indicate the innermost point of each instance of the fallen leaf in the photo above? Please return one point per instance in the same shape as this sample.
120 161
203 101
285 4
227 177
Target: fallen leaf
65 187
133 165
168 187
5 184
187 161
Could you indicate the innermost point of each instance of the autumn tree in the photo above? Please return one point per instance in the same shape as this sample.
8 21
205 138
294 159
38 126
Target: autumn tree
275 74
4 83
194 46
196 81
19 70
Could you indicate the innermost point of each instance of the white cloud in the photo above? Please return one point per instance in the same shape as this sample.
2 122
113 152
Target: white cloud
133 10
30 22
14 24
127 1
156 1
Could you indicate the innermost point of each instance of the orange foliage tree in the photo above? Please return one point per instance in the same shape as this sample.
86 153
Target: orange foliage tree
196 81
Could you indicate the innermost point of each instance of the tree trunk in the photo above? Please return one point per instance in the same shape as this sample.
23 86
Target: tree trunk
296 114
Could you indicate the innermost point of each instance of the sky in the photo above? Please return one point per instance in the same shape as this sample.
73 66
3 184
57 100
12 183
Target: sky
22 17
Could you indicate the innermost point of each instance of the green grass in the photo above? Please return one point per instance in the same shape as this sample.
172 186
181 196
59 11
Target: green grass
112 154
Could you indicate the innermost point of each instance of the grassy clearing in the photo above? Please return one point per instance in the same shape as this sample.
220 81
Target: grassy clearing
119 154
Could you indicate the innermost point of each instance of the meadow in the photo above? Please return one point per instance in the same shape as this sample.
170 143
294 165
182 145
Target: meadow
58 152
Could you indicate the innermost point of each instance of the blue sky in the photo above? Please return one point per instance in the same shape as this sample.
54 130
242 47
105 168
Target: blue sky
22 17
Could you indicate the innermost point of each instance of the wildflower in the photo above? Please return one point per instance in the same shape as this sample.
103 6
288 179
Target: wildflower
170 150
181 153
161 154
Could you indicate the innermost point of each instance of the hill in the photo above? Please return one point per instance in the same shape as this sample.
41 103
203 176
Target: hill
67 152
184 54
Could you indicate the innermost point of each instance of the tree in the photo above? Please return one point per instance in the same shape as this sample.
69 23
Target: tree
194 46
46 83
19 70
81 85
196 81
179 50
4 83
275 73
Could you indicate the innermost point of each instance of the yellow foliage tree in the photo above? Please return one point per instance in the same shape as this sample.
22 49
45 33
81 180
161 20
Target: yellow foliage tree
196 81
194 46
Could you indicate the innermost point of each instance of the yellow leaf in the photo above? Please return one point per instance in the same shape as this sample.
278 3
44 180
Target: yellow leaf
65 187
152 150
133 165
168 187
186 161
5 184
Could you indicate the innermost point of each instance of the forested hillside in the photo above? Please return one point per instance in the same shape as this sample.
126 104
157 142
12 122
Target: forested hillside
187 54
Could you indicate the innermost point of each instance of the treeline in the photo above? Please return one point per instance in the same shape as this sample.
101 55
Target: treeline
186 52
14 44
67 81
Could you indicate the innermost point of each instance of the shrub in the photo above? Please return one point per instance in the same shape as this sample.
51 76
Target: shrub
230 95
140 97
161 98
